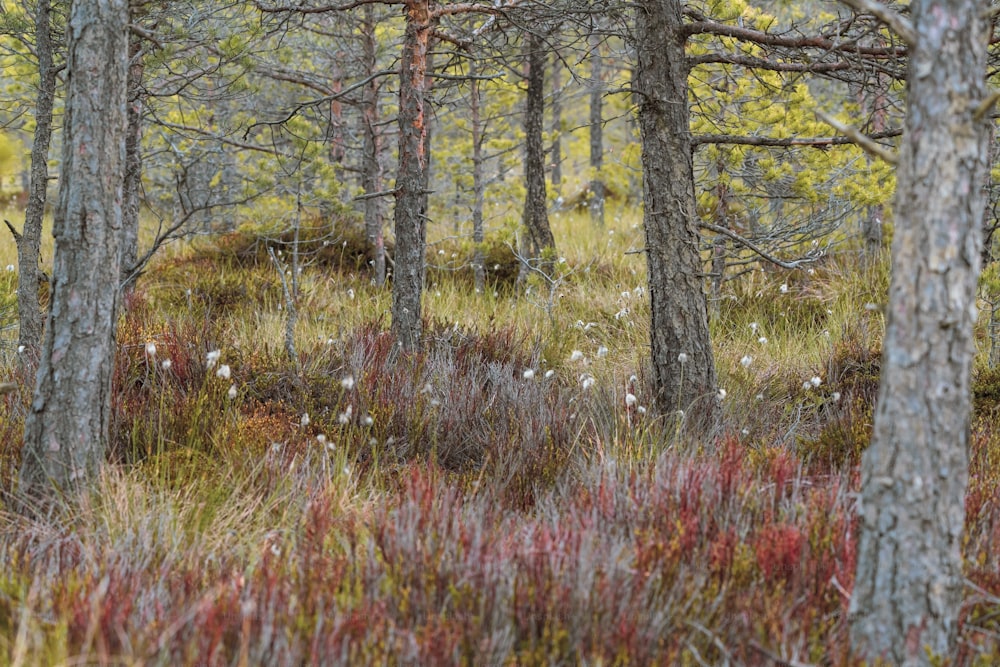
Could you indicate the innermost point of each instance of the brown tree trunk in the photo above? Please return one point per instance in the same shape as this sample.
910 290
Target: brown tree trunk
66 430
909 582
411 177
596 203
683 365
371 165
29 311
537 233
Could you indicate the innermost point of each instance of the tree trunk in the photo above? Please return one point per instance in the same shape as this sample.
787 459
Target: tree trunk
132 188
555 156
411 177
871 226
909 582
371 165
66 430
596 203
683 365
29 311
537 234
720 245
478 184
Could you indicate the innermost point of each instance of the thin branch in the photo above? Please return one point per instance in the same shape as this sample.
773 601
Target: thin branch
14 232
986 105
794 264
816 142
859 138
766 64
708 26
898 23
320 10
375 195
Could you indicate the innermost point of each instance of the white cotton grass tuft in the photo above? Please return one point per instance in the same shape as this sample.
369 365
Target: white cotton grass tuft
347 382
151 348
212 358
835 396
587 381
232 392
682 358
10 268
304 420
224 372
815 381
722 394
762 340
746 361
166 364
549 373
784 288
630 399
528 374
602 351
576 355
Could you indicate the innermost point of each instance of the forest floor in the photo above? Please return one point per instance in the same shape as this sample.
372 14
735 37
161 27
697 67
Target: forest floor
498 498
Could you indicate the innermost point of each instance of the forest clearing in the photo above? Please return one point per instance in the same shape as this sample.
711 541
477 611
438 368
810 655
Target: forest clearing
499 333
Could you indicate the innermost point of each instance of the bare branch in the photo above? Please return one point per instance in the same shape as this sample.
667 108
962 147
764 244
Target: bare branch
708 26
816 142
986 105
898 23
766 64
859 138
267 9
794 264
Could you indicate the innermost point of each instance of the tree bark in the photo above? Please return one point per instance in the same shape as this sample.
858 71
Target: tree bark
371 166
909 582
596 203
411 177
555 155
132 188
478 184
683 364
66 429
537 233
29 310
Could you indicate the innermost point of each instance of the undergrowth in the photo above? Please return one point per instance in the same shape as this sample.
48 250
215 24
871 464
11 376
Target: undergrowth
503 497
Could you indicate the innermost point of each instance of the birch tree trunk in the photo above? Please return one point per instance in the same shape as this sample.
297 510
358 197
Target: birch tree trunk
683 364
66 430
909 582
